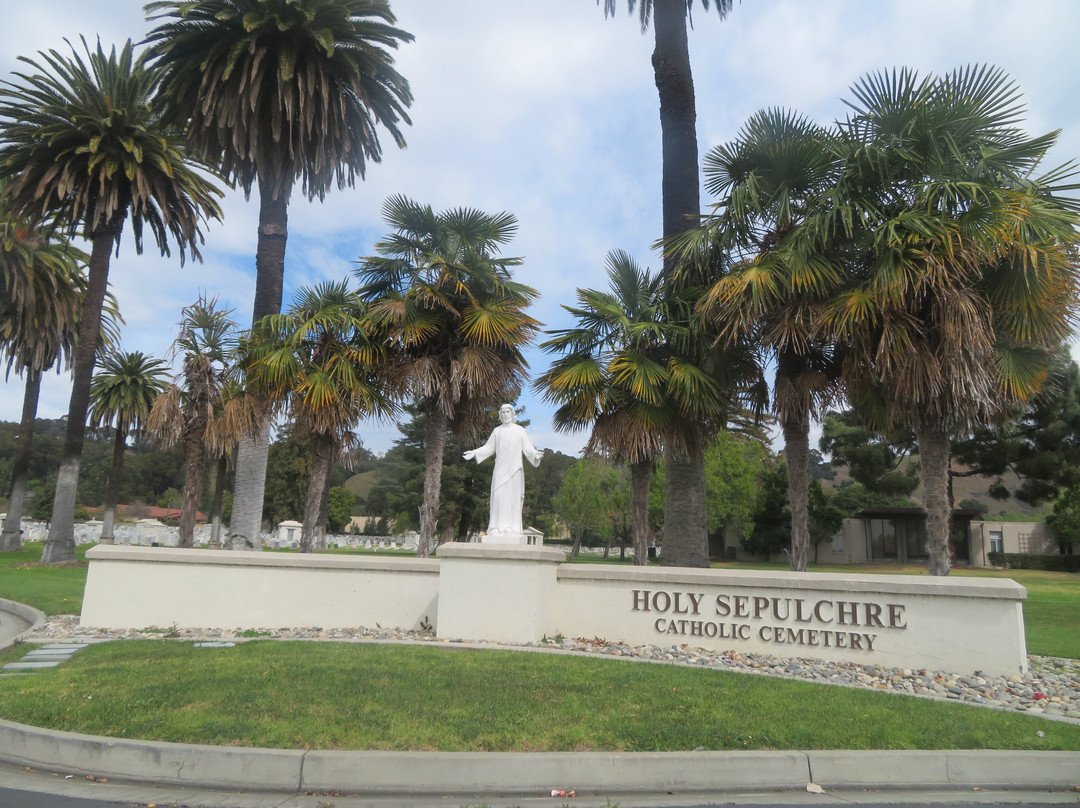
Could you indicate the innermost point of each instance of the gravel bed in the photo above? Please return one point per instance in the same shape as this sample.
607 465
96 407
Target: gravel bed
1050 688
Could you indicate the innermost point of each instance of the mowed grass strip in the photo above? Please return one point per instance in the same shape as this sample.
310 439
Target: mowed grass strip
360 696
52 589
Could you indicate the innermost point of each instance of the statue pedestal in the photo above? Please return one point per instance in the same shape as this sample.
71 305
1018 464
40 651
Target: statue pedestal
504 539
503 593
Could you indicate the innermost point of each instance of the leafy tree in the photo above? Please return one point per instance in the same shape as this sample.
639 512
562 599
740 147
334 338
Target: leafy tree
338 508
453 313
122 393
874 459
733 466
826 515
273 92
83 139
772 517
288 473
1065 520
541 485
1038 441
581 503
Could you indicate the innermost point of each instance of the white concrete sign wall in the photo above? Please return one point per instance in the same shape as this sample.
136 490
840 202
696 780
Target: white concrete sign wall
955 624
137 587
520 594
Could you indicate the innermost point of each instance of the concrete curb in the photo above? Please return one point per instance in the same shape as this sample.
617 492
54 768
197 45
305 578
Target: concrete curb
25 613
475 773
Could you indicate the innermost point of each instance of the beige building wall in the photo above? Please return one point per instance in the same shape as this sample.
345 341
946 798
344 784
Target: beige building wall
1009 537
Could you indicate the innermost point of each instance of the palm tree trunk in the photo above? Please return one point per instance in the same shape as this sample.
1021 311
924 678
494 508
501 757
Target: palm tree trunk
249 489
11 538
797 452
321 452
112 493
245 526
934 458
434 447
324 509
640 478
678 117
60 543
686 530
195 453
219 496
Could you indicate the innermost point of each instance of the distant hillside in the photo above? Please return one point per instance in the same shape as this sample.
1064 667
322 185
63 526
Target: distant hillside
360 484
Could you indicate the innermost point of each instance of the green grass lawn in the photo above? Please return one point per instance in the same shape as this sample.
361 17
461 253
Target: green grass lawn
359 696
53 590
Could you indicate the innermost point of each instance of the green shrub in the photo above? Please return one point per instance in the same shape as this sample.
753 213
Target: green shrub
1031 561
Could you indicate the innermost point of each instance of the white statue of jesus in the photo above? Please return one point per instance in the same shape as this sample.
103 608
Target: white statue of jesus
508 442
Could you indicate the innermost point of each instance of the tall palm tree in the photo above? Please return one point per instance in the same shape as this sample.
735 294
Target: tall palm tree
320 361
40 296
765 179
610 378
960 276
449 305
188 410
121 394
82 139
272 92
684 512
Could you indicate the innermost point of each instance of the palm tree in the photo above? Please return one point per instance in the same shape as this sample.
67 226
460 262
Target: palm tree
188 410
320 361
122 393
40 296
448 303
684 512
959 269
610 377
82 139
765 179
271 92
644 380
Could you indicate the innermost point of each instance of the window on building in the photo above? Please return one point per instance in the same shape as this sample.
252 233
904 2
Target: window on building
838 542
997 542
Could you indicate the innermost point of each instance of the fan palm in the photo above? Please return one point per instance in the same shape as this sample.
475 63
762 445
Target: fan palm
188 410
610 377
82 139
122 393
320 361
645 383
960 276
765 179
448 304
271 92
40 295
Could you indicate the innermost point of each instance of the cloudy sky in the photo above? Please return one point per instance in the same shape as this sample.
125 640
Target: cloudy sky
548 111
